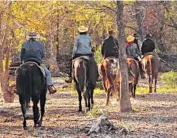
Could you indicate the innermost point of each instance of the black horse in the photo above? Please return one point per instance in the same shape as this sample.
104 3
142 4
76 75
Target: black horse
31 85
85 74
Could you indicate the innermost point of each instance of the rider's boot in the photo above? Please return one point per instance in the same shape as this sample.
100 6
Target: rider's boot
52 89
69 80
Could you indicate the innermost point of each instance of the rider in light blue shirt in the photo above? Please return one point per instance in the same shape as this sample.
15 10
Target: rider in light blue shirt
82 47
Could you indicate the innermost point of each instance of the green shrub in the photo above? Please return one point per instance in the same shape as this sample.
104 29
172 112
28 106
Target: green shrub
98 56
96 112
170 78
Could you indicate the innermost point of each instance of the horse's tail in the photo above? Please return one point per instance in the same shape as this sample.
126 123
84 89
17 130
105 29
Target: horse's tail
155 65
24 80
81 75
108 74
150 66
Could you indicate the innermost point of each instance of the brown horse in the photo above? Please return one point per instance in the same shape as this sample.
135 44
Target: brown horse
151 65
109 71
85 74
133 74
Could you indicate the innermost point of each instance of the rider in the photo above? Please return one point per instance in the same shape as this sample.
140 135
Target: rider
148 45
110 46
82 47
132 50
32 50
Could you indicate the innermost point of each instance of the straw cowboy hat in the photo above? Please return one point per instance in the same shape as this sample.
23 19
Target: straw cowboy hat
83 29
130 38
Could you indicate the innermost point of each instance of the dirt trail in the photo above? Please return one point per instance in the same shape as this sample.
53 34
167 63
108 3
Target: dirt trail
155 115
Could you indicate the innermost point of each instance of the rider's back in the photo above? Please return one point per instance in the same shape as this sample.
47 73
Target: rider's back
32 51
83 44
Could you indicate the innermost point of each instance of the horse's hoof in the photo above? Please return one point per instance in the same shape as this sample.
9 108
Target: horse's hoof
87 109
39 123
25 128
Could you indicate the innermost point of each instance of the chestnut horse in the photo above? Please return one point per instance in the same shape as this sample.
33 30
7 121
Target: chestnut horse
151 65
109 70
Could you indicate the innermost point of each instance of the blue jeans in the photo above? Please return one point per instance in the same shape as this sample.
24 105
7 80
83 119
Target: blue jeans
48 76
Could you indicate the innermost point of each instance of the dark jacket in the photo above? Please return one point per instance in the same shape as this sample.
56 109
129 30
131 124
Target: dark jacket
110 47
147 46
32 50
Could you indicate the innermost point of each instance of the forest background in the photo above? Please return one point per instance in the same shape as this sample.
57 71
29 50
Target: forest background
56 23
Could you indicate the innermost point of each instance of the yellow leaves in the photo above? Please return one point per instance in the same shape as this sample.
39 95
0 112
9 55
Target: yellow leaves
11 83
4 63
129 2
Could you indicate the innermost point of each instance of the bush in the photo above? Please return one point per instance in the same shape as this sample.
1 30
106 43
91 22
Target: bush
170 78
98 56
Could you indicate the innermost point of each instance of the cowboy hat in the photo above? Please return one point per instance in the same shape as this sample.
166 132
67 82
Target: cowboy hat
130 38
83 29
32 34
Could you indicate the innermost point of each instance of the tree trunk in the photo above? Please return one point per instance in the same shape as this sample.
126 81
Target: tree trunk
125 104
140 11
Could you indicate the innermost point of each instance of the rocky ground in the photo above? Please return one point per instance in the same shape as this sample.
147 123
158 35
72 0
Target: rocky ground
154 115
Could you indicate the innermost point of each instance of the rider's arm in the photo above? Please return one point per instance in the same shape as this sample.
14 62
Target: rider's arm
22 54
42 50
102 49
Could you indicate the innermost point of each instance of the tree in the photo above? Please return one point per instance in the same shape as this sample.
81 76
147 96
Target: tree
125 104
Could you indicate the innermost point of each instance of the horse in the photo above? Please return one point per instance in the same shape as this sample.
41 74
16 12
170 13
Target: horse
85 74
111 77
109 71
151 66
31 85
133 74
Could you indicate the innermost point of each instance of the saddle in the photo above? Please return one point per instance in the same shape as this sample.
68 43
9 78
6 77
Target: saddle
149 53
31 63
82 57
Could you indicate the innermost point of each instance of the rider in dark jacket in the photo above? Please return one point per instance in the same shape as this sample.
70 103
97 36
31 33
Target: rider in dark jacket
148 45
110 46
32 50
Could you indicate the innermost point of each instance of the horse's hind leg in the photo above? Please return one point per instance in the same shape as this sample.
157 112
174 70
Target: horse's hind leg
23 108
79 97
92 101
108 94
42 105
35 112
88 98
155 83
134 93
150 84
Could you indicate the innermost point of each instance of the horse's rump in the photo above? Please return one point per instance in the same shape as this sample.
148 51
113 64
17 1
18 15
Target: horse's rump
85 70
133 68
29 79
108 70
151 64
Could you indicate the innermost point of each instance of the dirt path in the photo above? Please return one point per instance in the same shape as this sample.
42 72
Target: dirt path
155 116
